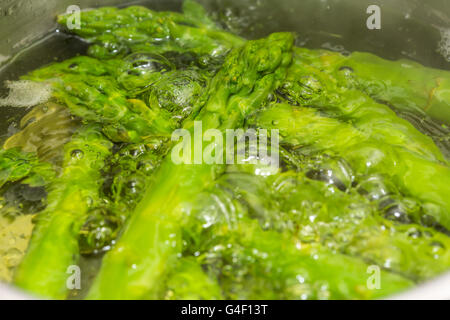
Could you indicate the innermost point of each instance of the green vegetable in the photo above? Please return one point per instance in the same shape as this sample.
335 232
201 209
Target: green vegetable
116 32
95 95
314 203
54 244
129 174
413 173
404 84
25 167
358 189
306 85
254 264
132 167
150 241
30 159
190 282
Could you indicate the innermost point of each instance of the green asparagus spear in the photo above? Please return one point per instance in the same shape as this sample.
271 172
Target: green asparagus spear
94 95
116 32
130 171
31 157
252 263
151 75
23 167
404 84
189 282
412 173
307 85
54 243
151 239
315 202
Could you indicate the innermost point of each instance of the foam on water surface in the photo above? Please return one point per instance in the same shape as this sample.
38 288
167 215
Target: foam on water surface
444 45
24 94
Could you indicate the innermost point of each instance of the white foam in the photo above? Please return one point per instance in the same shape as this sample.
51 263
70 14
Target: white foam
444 45
24 93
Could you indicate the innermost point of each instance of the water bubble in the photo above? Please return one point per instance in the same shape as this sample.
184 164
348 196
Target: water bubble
415 234
437 244
142 70
177 91
333 171
437 249
99 231
396 213
307 233
346 69
89 201
428 220
373 187
77 154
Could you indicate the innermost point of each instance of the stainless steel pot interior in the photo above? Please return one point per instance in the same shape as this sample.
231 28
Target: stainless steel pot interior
409 29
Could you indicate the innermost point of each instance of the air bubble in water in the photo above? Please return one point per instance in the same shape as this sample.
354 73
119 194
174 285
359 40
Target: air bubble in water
77 154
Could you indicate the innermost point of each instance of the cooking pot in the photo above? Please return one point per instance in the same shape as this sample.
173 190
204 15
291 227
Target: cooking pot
413 29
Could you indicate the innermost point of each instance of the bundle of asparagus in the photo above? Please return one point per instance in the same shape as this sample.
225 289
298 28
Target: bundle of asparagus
357 187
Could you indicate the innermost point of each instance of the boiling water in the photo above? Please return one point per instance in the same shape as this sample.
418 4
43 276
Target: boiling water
59 47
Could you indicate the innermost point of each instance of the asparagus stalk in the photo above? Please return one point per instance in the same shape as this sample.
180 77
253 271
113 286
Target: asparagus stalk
54 243
404 84
103 95
369 222
252 263
89 89
414 174
189 282
116 32
307 85
276 264
129 172
151 239
23 167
